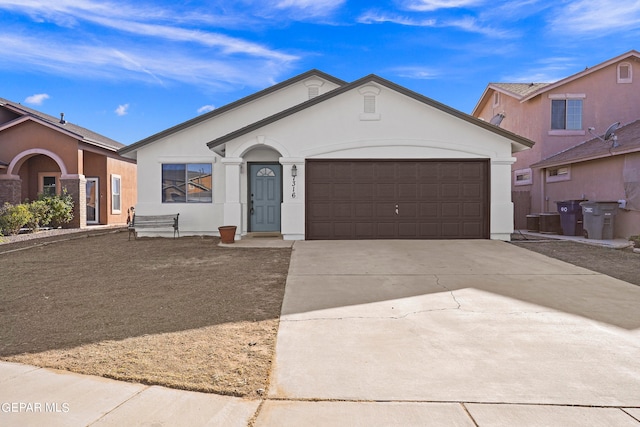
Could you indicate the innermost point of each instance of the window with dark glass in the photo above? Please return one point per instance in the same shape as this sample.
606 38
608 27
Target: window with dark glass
187 183
49 185
566 114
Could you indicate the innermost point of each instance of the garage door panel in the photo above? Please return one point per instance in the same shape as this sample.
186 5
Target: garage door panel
386 192
365 230
408 191
435 199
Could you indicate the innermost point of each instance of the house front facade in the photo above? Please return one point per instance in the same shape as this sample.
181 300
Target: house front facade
42 154
559 116
315 157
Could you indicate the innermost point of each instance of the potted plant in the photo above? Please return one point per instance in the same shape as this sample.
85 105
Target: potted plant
227 233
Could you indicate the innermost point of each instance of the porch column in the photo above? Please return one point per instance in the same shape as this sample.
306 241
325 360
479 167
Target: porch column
10 189
293 207
76 186
501 214
232 205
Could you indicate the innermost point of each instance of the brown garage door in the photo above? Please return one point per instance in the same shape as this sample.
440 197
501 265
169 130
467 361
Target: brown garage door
397 199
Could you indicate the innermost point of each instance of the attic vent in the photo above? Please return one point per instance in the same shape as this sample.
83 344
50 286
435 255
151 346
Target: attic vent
625 73
369 104
314 91
62 120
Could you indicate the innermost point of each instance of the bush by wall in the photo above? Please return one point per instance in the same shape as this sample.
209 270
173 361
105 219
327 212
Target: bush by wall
53 211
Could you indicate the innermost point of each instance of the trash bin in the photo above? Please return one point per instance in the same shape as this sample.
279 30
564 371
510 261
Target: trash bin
599 219
550 223
533 222
571 217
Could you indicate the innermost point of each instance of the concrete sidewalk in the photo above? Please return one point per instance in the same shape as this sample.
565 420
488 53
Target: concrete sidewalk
400 333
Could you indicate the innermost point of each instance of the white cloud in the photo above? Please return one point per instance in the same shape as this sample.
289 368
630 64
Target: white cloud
303 9
122 109
431 5
36 99
380 17
596 18
168 45
420 73
206 109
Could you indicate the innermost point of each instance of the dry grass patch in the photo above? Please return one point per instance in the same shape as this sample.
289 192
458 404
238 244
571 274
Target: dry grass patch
182 313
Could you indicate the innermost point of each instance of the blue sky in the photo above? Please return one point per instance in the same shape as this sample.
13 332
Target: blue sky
132 68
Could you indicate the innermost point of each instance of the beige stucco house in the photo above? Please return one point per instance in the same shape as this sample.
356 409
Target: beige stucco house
568 161
44 154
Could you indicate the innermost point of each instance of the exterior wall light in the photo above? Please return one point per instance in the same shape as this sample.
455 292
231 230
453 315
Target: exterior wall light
294 174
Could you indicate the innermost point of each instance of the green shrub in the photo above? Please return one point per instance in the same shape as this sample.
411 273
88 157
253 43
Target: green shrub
40 214
60 209
13 217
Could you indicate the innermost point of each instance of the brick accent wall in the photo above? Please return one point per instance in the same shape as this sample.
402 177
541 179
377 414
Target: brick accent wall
77 189
10 191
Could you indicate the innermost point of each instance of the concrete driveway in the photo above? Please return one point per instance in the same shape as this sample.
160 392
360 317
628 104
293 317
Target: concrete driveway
452 333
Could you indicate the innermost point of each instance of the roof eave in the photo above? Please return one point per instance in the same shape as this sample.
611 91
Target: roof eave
228 107
516 139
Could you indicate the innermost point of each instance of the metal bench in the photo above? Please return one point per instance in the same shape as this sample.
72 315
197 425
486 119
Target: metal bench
141 222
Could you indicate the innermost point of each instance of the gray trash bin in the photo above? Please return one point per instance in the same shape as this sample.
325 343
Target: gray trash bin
599 219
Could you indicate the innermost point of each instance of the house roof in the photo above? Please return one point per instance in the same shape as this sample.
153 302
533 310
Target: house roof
526 91
367 79
83 134
203 117
628 142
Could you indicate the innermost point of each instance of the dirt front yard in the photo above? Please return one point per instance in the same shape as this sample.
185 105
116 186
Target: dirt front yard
183 313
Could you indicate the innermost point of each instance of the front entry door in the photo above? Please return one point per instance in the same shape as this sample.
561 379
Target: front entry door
93 201
265 189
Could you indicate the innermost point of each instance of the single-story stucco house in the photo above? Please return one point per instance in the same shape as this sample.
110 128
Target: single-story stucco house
315 157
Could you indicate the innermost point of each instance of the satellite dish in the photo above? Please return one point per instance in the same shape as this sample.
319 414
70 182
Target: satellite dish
609 133
497 119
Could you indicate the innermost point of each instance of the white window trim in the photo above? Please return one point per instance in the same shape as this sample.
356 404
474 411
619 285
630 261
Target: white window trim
630 78
119 178
566 176
526 171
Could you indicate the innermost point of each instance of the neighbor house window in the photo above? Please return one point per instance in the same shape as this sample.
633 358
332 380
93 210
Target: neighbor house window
187 183
625 73
566 114
522 177
116 189
560 173
49 183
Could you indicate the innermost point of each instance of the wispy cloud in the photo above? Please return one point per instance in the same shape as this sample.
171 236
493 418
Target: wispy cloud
122 110
206 109
420 73
431 5
375 17
310 8
36 99
165 48
596 18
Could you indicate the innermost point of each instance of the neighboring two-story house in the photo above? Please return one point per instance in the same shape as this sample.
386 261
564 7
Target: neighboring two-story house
44 154
567 117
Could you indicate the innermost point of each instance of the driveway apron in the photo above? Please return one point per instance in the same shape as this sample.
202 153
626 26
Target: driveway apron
478 323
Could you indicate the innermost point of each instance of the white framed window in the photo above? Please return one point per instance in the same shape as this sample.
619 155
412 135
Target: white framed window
559 173
625 73
566 114
187 183
523 177
116 190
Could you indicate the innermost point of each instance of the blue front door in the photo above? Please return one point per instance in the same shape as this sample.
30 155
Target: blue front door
265 188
